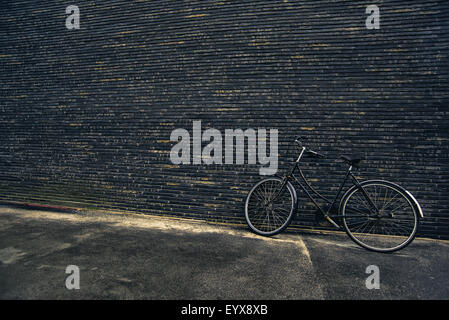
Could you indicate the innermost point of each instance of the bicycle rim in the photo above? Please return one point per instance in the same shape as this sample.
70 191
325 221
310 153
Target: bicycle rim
267 211
393 228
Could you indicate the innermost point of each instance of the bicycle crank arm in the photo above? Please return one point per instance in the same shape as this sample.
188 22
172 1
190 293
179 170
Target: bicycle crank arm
332 221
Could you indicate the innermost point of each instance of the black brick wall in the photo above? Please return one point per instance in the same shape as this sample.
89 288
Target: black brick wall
86 115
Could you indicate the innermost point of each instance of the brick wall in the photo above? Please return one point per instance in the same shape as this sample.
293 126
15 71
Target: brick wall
86 115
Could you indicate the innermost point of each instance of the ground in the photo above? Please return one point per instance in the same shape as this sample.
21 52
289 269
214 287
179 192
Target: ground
123 256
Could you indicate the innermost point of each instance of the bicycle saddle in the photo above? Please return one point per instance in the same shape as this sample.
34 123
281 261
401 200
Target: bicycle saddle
352 160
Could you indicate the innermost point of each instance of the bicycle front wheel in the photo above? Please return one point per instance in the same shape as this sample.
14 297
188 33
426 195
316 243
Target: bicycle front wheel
391 228
268 209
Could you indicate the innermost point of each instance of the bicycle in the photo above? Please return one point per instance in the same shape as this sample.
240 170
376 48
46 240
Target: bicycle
378 215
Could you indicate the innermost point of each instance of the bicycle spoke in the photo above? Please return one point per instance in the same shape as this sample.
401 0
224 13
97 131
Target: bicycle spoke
269 208
392 227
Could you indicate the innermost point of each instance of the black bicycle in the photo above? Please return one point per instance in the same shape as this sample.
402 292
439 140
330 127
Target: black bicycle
378 215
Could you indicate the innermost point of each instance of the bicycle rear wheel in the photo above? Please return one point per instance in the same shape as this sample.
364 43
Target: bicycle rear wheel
393 227
268 209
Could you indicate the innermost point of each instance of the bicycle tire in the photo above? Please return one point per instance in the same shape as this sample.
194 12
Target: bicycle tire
399 232
256 220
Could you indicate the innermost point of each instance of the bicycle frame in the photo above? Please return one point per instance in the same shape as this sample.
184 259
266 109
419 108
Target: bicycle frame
325 213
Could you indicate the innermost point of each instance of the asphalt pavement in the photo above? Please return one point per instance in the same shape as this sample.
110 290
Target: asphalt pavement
132 256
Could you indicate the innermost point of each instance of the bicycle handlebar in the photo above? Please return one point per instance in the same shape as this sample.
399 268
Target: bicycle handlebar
297 140
309 151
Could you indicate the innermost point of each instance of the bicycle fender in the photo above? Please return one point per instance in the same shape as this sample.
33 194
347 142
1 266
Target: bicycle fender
406 192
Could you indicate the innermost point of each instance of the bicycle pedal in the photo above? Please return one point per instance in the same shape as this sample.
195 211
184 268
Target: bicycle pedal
323 223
